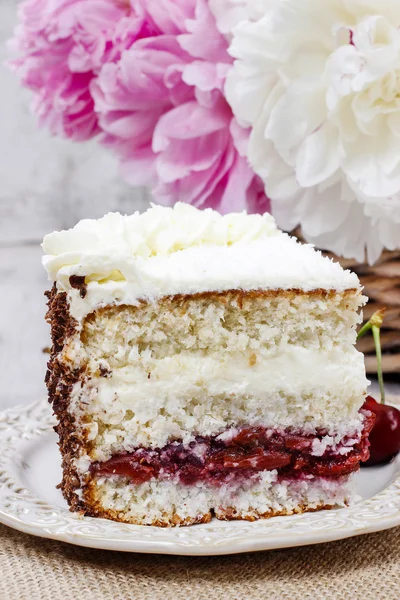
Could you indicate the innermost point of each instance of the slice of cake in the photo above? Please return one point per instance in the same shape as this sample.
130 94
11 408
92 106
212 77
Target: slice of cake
202 365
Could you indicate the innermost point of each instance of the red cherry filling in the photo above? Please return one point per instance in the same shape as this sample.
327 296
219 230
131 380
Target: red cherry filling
258 459
127 467
240 455
385 435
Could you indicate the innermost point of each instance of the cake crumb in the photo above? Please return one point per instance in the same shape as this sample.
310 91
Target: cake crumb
252 360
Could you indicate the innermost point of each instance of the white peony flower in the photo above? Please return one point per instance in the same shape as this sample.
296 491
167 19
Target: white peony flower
229 13
319 83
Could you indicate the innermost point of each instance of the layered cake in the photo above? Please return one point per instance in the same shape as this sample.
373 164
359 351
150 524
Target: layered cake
202 365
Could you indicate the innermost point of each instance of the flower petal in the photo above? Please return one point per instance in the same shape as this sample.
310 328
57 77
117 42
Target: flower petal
318 157
186 122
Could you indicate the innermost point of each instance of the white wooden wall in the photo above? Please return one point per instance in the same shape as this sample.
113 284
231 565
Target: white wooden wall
45 184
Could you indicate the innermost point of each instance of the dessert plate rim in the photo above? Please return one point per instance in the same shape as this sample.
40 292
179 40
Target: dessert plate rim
24 510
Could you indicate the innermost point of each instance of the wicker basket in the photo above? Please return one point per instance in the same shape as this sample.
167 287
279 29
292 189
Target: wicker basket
382 286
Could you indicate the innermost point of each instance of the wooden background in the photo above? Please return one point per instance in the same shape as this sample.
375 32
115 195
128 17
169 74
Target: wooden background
46 184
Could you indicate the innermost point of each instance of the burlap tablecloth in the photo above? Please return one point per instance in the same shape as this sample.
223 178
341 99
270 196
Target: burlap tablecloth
365 567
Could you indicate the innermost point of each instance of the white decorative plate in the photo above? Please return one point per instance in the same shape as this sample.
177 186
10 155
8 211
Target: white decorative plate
29 501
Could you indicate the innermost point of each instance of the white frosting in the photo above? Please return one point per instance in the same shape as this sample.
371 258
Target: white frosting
182 250
157 232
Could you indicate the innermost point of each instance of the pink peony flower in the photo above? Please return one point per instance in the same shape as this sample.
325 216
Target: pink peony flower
63 44
197 160
164 114
167 16
149 76
131 96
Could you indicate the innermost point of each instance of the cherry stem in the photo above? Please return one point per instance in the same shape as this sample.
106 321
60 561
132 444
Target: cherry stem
375 324
376 333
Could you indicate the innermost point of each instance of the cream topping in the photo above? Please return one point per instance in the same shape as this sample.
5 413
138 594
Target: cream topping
182 250
159 231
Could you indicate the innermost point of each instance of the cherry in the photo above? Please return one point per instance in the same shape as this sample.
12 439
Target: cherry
336 468
259 459
248 437
385 435
126 466
298 442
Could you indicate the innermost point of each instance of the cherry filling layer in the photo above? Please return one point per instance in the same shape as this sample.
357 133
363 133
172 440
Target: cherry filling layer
241 453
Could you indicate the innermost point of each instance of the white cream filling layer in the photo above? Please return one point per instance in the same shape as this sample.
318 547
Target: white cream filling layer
150 402
297 370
